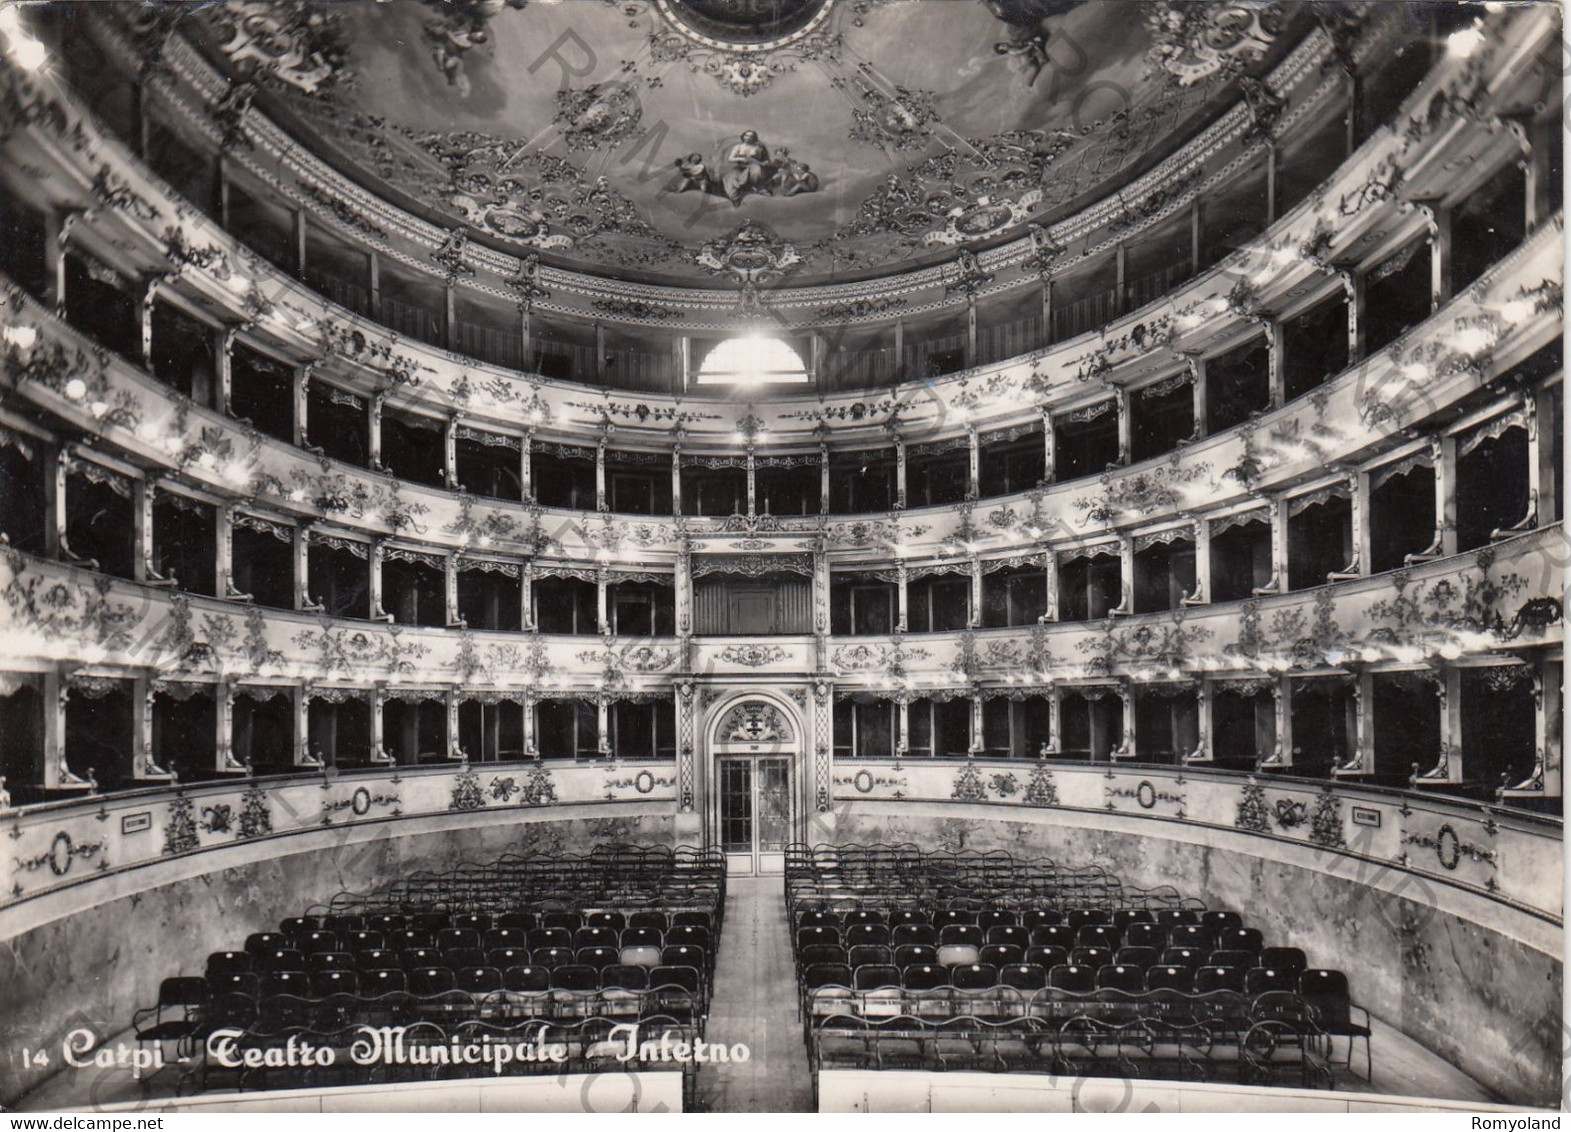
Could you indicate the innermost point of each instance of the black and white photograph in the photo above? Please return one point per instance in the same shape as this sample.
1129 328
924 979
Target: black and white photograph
781 556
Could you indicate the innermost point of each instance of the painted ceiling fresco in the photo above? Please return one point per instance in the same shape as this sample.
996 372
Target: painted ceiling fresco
635 137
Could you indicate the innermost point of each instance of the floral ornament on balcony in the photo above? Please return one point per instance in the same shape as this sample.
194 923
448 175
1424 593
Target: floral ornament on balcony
538 790
110 191
1327 829
182 254
1195 43
67 611
1041 790
968 785
180 834
753 655
347 650
496 526
1144 493
1476 605
1146 644
217 818
1253 813
1384 181
256 817
467 794
294 44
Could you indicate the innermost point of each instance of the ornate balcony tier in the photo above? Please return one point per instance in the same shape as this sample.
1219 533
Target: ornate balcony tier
1366 411
1361 213
61 617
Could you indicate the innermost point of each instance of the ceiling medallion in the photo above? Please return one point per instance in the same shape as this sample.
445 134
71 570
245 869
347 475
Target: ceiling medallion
292 43
751 252
1194 42
599 115
983 217
744 44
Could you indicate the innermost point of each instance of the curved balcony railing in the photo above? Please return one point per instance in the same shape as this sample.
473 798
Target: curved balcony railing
1507 857
1423 151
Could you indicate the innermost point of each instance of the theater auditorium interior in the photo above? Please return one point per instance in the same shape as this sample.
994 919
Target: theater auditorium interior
781 555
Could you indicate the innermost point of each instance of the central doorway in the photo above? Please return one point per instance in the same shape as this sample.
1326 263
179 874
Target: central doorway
755 813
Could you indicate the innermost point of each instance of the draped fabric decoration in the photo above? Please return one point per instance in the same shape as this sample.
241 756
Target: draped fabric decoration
804 460
418 420
262 693
488 439
561 570
94 687
562 451
13 682
338 695
183 690
10 438
649 459
1490 430
488 566
648 577
283 532
1241 519
1301 503
418 558
1095 550
938 447
1171 535
183 503
498 696
753 565
1013 562
1005 435
417 695
1247 686
1166 385
337 396
714 463
96 473
1422 459
1089 413
333 542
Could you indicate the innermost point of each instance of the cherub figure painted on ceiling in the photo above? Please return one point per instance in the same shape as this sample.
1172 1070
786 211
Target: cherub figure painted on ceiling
745 168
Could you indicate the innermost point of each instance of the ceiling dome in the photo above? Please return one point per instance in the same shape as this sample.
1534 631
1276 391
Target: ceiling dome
745 23
625 140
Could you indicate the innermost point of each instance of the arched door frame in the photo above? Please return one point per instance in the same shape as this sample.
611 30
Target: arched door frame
796 750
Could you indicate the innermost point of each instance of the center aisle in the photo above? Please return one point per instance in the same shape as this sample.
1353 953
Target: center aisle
754 1002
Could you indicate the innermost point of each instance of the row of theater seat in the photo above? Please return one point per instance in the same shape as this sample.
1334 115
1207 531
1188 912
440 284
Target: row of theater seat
1001 955
578 974
223 965
480 945
863 951
408 939
1077 978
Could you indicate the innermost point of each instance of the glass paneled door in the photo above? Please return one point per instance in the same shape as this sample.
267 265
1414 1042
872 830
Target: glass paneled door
755 814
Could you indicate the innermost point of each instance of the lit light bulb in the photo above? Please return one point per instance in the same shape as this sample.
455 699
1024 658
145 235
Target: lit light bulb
22 337
76 389
1517 310
27 53
1461 44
